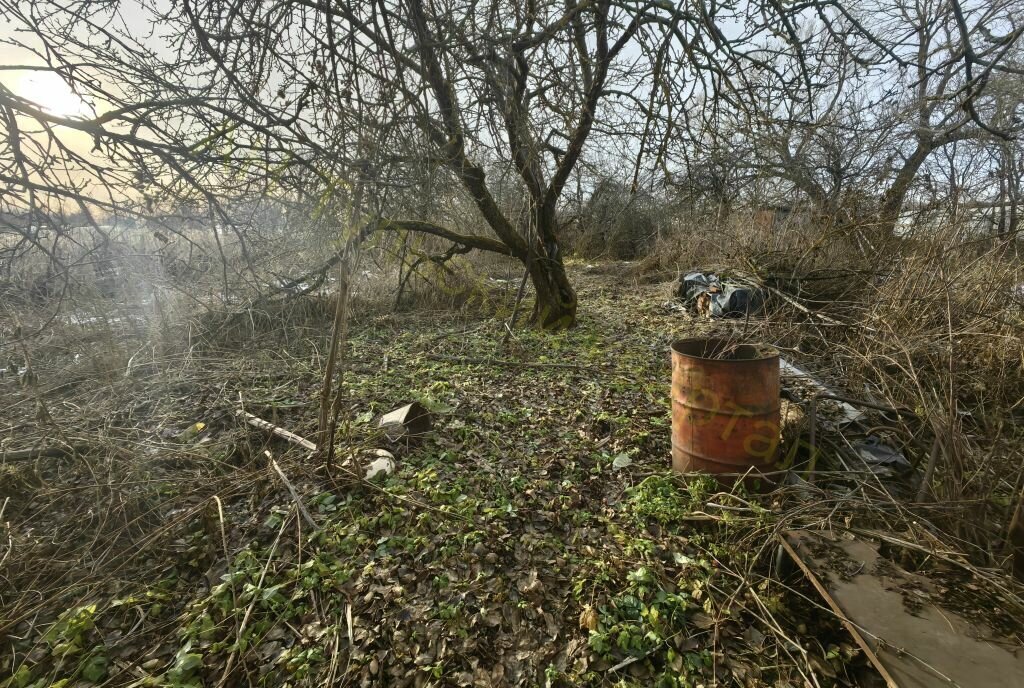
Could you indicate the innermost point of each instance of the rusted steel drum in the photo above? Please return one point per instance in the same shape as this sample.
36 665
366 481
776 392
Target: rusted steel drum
725 406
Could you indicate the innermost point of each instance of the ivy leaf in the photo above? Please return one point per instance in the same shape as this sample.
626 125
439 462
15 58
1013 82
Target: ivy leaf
185 664
621 461
272 594
95 669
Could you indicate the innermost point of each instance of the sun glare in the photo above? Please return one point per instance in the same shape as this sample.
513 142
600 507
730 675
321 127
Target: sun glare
51 93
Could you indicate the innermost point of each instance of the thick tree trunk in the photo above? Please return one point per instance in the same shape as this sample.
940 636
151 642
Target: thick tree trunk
555 304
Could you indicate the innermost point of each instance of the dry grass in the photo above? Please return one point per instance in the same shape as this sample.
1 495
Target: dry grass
930 323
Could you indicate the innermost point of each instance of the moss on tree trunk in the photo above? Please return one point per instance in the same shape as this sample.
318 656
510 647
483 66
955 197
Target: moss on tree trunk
555 305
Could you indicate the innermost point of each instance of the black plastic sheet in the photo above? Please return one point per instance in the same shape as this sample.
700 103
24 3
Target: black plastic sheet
724 297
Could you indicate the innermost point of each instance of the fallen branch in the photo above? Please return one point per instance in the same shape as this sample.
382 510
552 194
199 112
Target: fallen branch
286 435
293 492
800 307
515 311
854 631
760 283
314 279
42 453
465 360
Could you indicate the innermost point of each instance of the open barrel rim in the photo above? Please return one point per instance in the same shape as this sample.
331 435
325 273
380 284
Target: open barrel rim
707 348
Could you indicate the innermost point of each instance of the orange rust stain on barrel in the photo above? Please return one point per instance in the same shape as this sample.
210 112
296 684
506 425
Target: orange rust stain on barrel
725 406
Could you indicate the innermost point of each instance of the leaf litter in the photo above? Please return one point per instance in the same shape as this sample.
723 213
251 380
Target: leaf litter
536 537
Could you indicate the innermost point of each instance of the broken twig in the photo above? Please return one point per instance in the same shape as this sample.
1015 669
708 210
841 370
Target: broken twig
286 435
308 517
42 453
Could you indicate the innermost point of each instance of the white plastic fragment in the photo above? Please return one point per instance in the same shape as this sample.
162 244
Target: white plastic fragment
383 464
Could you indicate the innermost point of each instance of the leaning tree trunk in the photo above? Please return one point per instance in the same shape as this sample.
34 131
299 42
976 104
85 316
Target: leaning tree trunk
555 304
896 194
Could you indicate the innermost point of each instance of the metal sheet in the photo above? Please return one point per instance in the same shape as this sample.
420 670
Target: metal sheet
930 646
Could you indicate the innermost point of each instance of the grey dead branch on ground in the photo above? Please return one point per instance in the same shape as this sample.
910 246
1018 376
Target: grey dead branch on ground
408 422
286 435
292 491
42 452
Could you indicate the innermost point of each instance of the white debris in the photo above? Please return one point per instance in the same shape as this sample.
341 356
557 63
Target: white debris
384 464
849 414
621 461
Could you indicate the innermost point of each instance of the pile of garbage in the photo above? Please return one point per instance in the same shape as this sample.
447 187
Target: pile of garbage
712 296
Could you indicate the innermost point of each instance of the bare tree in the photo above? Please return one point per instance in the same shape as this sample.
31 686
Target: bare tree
895 82
228 103
220 102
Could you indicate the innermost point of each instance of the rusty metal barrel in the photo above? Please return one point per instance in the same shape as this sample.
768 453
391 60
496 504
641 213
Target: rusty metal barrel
725 406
